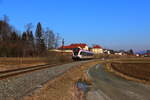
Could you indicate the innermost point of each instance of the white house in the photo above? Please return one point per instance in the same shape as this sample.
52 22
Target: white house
97 49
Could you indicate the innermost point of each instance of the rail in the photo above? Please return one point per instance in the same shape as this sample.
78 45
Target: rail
19 71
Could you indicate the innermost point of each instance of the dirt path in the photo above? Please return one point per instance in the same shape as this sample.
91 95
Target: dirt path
63 87
108 86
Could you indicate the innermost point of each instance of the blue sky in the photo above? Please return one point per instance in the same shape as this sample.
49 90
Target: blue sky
116 24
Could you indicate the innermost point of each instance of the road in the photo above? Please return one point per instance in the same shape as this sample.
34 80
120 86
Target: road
108 86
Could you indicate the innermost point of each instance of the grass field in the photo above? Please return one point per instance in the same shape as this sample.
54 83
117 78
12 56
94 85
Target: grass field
12 63
138 68
53 58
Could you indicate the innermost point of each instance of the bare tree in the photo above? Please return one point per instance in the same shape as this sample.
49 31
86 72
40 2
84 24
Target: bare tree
14 45
6 18
40 43
28 27
57 40
49 38
5 29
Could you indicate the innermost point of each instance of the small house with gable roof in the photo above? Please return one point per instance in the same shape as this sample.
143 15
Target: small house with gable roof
97 49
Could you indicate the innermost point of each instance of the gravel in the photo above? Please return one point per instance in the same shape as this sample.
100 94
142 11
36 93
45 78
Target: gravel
15 88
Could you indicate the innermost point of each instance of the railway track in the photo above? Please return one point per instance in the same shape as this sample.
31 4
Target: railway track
19 71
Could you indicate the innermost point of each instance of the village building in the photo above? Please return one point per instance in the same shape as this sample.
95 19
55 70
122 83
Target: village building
108 51
119 53
70 47
137 55
122 53
97 49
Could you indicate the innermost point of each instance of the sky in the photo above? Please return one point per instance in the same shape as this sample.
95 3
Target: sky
114 24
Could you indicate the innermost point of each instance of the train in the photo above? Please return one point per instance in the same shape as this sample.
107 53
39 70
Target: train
79 54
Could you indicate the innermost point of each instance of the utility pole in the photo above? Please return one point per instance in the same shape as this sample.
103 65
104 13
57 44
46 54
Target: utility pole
63 42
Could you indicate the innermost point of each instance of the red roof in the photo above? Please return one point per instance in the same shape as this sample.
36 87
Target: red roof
82 45
97 46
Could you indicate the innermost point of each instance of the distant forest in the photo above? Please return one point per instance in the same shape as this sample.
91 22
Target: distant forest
26 44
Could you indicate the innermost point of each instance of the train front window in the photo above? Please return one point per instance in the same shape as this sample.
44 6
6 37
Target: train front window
76 51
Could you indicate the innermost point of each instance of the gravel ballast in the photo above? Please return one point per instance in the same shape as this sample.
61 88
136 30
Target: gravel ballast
15 88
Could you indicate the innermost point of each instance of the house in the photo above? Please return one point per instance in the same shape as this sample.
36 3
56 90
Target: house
119 53
137 55
122 53
97 49
108 51
70 47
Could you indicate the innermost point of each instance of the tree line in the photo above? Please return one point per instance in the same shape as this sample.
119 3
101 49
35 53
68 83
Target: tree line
28 43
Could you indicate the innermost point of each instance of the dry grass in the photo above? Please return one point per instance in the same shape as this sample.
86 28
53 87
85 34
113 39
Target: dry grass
59 57
132 69
52 58
134 59
12 63
16 61
63 87
112 56
136 70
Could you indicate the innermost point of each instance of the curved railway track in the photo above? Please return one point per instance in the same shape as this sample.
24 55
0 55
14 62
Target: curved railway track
19 71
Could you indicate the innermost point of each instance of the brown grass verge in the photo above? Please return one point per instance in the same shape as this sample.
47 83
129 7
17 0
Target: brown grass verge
53 58
63 87
13 63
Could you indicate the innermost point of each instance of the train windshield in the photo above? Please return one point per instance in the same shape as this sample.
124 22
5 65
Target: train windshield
76 51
